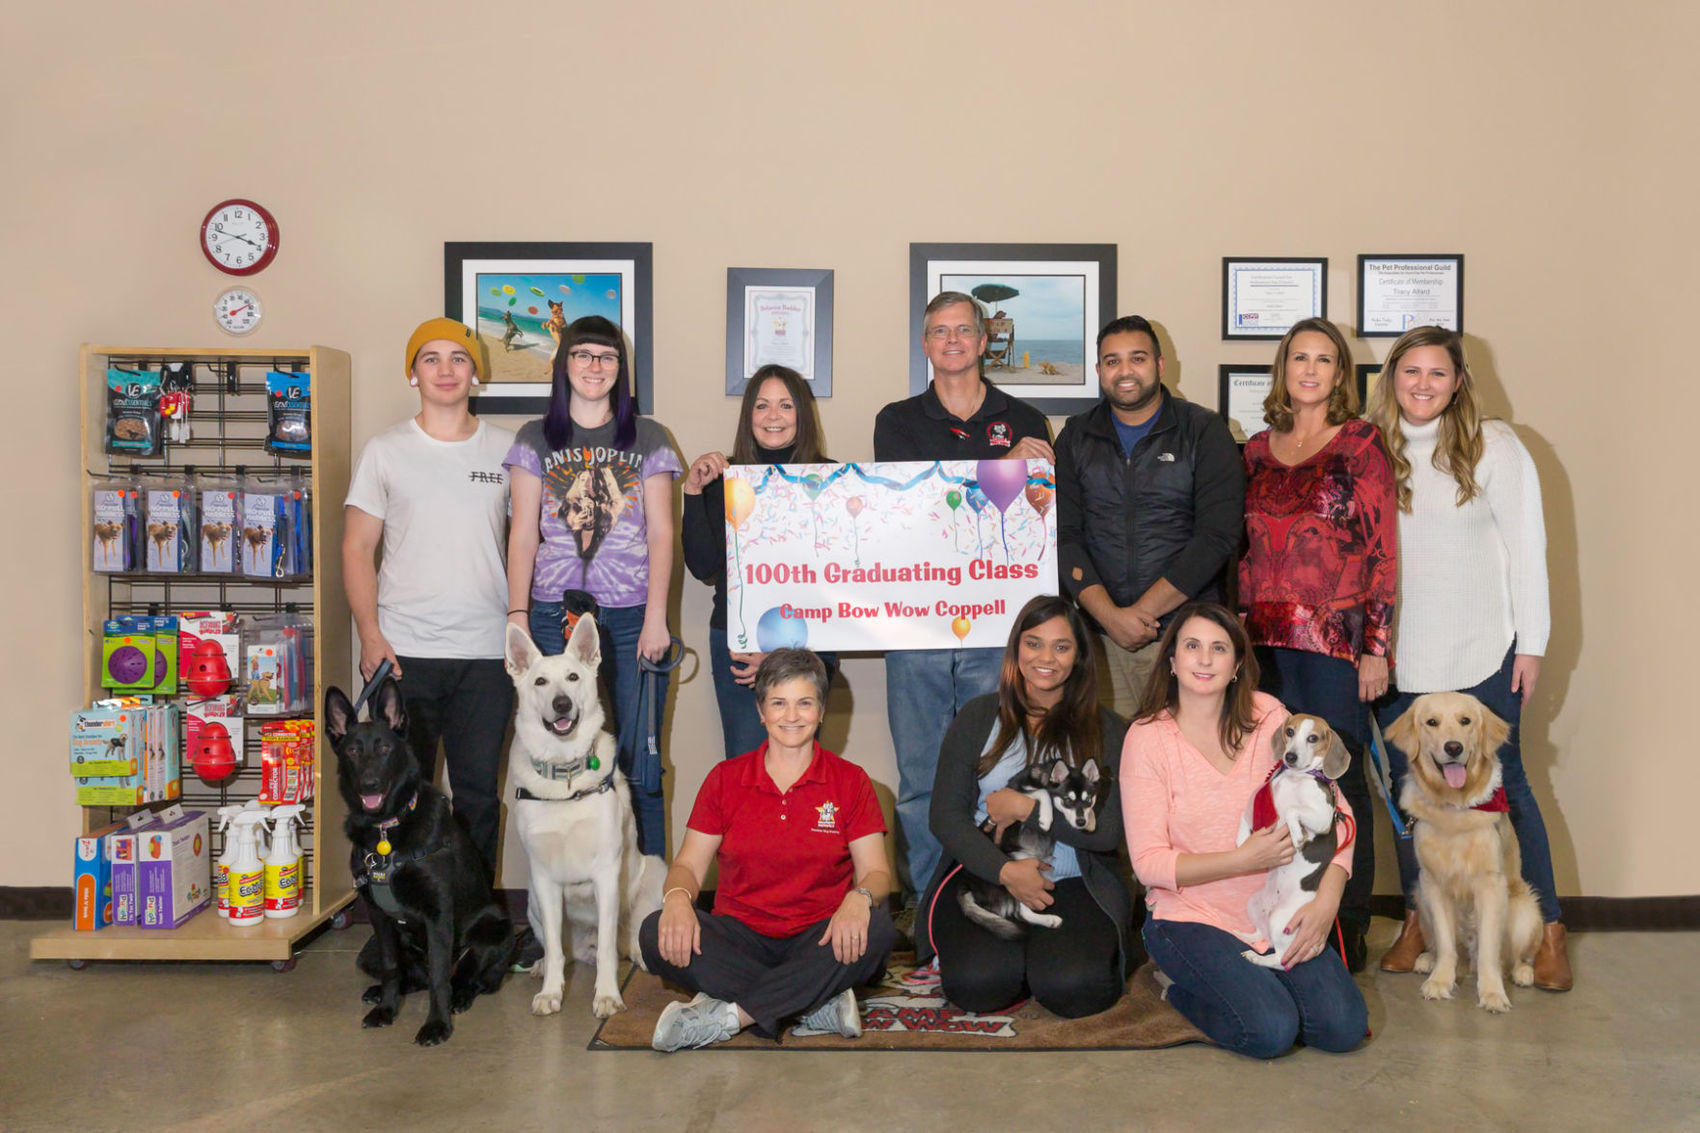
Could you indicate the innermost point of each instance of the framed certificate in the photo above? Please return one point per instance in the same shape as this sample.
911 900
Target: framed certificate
1396 293
1240 391
779 315
1263 296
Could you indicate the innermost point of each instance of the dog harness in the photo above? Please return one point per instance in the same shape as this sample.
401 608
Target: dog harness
605 784
381 866
1263 804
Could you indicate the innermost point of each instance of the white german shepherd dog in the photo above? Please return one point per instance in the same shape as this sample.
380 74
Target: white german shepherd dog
574 813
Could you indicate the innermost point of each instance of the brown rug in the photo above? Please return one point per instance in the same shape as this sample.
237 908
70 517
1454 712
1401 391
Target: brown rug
895 1017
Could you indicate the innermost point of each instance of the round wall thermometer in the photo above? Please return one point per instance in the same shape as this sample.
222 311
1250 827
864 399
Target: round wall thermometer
239 237
238 311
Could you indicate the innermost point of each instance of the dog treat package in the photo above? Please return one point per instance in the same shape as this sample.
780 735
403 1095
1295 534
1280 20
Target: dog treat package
115 535
221 526
132 412
286 761
171 546
289 413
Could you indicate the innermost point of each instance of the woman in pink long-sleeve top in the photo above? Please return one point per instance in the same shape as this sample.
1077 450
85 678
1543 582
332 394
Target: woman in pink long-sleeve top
1200 748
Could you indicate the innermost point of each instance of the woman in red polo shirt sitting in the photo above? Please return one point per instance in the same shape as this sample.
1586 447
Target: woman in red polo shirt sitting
798 918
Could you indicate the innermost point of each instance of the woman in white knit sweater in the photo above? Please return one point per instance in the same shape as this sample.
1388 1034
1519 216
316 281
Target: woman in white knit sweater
1472 611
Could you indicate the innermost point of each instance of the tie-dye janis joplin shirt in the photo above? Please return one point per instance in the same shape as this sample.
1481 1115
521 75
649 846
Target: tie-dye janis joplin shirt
592 523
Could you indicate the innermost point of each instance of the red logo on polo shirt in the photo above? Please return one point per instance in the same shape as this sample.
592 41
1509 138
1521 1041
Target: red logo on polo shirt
826 818
998 433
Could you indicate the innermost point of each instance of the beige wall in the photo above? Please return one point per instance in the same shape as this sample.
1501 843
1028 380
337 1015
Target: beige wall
1554 149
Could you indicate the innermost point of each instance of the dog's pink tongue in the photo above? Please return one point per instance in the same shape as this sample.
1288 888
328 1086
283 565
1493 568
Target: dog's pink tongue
1455 774
371 802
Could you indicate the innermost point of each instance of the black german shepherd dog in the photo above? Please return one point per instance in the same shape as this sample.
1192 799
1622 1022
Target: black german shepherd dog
436 924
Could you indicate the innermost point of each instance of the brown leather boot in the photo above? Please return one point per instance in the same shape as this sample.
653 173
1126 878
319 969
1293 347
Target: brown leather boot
1402 957
1552 960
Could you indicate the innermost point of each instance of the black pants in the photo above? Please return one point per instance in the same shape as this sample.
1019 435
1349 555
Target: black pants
773 978
466 705
1072 970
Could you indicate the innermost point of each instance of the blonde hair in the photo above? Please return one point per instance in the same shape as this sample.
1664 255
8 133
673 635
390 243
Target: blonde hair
1342 402
1459 447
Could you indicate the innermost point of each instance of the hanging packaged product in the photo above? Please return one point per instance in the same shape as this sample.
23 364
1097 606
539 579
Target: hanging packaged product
172 545
220 525
128 658
115 534
286 761
176 398
289 413
129 732
279 664
210 650
262 509
132 412
213 730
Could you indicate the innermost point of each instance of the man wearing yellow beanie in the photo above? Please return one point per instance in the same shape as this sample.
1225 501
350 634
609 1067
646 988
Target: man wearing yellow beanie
433 494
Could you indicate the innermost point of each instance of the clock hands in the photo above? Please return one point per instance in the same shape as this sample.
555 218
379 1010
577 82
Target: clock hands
239 236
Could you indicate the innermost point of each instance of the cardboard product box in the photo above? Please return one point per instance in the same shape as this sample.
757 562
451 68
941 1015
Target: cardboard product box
158 776
174 871
123 850
91 879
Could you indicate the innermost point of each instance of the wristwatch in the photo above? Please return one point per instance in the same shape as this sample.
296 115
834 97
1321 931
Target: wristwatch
864 892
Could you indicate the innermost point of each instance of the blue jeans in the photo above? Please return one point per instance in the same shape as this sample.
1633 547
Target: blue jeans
924 690
1324 686
620 628
1250 1009
1495 692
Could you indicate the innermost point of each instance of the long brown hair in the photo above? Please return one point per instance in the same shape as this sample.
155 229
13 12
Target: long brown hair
1342 402
1163 692
1459 447
1070 729
807 448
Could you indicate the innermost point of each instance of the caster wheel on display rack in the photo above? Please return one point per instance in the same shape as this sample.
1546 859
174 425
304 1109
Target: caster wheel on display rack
284 965
341 920
76 965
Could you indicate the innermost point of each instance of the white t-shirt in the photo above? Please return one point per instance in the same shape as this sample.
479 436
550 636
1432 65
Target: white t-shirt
443 584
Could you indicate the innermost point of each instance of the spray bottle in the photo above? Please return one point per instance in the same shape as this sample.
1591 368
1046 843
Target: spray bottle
283 863
221 868
247 873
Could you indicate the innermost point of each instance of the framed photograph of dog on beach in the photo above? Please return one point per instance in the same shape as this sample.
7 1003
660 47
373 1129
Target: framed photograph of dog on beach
782 316
520 297
1043 305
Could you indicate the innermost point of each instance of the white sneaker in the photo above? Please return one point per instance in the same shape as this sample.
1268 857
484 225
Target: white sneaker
840 1015
700 1022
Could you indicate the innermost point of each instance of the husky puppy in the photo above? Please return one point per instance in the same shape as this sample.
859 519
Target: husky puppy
1059 791
574 814
1300 795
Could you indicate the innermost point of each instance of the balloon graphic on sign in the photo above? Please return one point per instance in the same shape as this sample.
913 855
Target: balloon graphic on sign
774 631
1040 496
1002 481
960 628
953 500
854 506
812 486
740 502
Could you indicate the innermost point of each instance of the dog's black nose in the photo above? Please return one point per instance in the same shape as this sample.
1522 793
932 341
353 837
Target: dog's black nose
1291 759
1453 747
563 705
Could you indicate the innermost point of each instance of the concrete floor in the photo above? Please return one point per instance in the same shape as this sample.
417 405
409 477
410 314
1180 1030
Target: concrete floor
211 1046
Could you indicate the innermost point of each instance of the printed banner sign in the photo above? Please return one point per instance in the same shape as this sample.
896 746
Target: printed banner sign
918 555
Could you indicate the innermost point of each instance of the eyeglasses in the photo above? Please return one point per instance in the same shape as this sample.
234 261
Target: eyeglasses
939 334
586 358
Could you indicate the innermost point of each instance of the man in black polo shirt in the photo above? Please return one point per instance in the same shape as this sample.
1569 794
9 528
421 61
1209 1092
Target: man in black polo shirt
1150 505
960 416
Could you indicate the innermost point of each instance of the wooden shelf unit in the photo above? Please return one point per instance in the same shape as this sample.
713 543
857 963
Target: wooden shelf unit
228 429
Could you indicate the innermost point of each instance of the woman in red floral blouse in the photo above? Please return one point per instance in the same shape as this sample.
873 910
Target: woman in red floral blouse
1317 581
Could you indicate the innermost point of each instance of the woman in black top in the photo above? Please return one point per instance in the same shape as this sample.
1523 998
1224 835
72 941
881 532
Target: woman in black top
1046 708
776 425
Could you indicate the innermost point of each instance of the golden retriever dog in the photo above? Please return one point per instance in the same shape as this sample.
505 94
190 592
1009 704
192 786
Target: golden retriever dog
1470 885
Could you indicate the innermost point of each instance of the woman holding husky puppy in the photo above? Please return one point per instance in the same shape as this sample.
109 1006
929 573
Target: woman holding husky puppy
1046 709
592 504
1197 753
1473 609
797 919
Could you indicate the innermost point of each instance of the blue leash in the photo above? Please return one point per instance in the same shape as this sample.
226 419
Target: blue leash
646 760
1380 777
